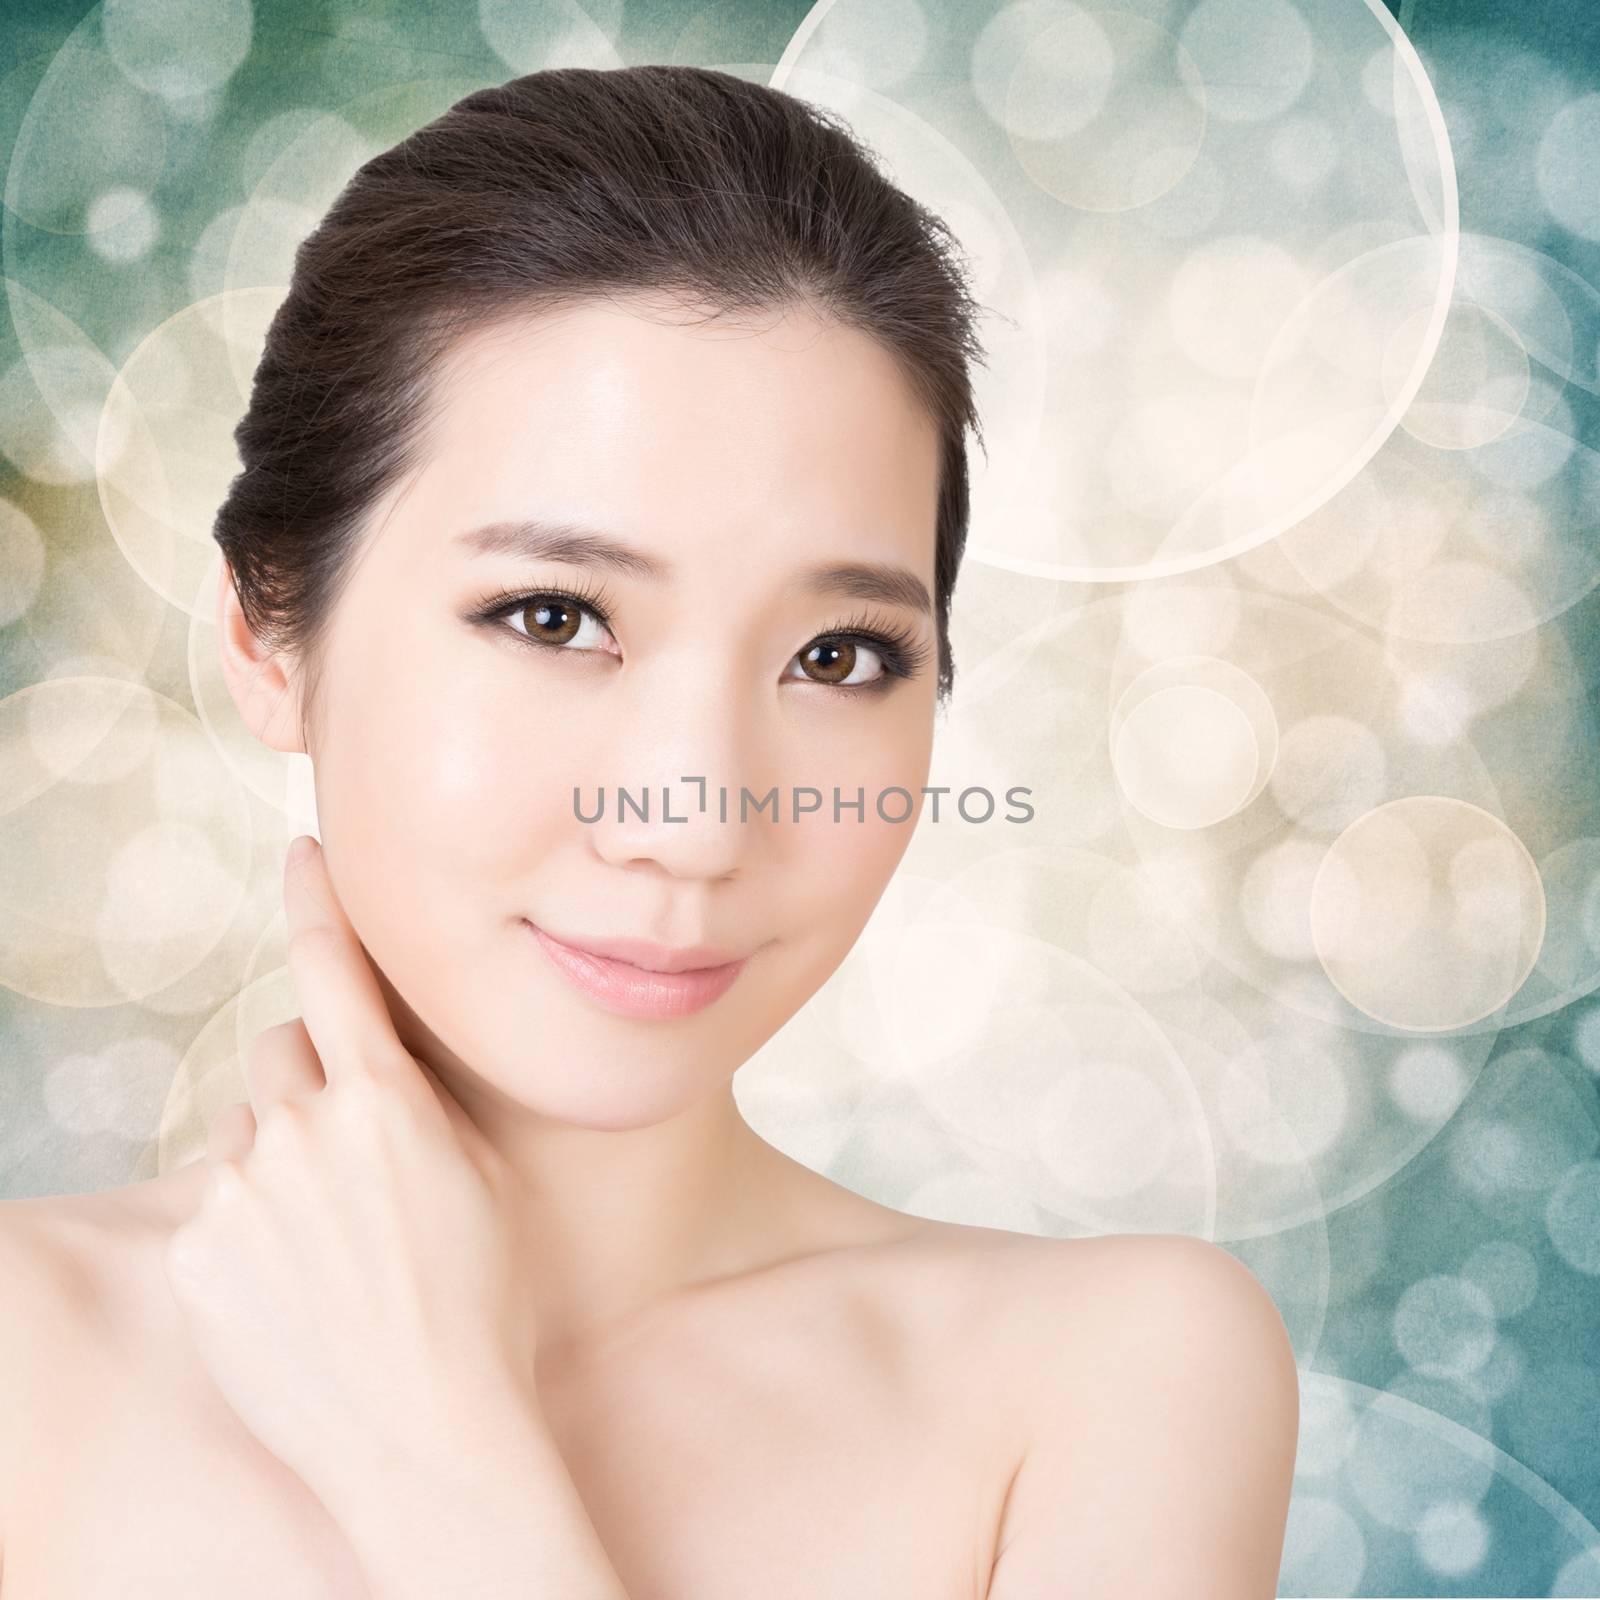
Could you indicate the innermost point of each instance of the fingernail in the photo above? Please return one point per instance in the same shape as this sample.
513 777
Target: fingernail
300 848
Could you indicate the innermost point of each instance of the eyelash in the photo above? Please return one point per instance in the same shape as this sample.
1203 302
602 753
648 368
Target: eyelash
902 654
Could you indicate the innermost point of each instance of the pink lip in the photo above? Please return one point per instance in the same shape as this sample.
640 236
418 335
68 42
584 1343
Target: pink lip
631 990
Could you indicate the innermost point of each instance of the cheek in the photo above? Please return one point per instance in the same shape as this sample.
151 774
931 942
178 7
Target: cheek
854 858
863 851
496 796
444 764
841 867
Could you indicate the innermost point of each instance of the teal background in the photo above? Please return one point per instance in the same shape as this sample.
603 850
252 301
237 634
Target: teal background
1445 1311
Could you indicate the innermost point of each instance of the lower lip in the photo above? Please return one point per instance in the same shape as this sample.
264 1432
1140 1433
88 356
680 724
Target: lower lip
630 991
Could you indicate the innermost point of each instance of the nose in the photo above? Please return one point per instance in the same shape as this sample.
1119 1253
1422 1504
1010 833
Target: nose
665 823
678 764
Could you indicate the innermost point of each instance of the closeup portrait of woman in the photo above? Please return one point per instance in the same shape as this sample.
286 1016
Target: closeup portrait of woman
611 437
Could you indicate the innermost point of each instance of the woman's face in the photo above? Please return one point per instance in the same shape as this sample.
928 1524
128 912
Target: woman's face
737 461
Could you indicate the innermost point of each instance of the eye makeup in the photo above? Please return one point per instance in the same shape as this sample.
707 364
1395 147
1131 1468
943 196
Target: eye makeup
901 652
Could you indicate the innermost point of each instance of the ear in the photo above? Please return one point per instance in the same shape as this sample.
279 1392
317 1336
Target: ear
263 685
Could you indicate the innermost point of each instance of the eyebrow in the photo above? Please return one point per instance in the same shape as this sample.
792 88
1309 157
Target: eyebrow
536 539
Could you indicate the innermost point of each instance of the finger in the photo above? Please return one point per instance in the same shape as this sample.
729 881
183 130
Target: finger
232 1133
467 1131
340 1001
283 1064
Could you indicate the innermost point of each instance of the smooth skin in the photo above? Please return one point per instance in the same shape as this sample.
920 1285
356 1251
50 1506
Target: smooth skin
315 1303
758 1380
450 748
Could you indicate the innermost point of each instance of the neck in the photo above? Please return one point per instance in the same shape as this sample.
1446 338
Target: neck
618 1220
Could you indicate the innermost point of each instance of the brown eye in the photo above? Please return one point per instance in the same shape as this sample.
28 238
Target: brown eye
836 661
552 621
556 620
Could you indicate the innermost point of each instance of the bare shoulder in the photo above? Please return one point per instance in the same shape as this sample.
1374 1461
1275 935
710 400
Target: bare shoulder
80 1302
76 1249
1160 1390
76 1271
1117 1286
48 1285
48 1306
47 1265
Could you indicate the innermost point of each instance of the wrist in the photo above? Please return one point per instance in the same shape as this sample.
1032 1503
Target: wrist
438 1438
479 1514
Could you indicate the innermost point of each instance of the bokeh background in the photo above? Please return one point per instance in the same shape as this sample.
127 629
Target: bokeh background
1280 598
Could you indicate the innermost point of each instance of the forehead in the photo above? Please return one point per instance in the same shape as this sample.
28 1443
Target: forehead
720 436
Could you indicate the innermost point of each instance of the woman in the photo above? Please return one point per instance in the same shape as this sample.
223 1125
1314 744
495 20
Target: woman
611 436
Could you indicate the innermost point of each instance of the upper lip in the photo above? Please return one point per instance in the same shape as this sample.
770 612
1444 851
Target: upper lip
644 954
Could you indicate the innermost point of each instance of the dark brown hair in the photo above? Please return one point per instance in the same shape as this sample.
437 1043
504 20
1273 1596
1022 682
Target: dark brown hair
551 189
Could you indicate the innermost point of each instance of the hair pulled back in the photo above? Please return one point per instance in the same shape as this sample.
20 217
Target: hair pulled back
545 191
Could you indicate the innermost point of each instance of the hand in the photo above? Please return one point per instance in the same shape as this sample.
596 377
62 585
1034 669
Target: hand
351 1277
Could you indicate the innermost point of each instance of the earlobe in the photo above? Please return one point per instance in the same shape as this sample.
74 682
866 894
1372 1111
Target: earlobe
257 677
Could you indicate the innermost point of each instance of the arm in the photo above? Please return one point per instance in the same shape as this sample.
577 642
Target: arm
1163 1445
489 1513
354 1280
44 1299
